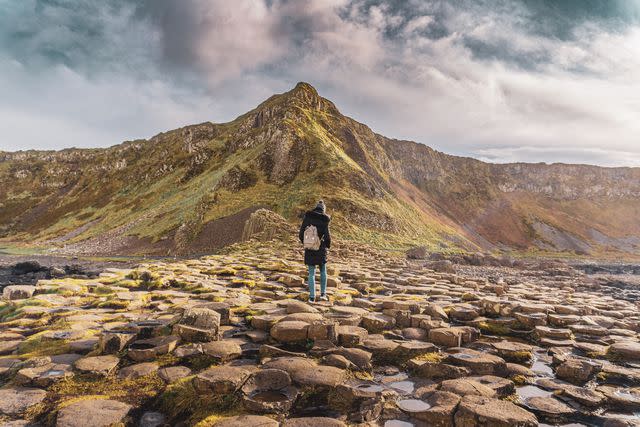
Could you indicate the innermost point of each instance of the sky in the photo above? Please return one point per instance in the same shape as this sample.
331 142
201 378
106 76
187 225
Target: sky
499 80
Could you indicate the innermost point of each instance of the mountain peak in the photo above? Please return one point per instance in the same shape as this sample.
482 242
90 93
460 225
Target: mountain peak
304 87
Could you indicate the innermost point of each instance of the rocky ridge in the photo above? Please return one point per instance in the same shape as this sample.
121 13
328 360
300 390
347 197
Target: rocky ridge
230 340
164 195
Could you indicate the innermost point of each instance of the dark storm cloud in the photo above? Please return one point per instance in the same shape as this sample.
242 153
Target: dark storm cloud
501 80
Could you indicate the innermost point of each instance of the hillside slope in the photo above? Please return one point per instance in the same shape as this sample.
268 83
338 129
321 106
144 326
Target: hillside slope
193 189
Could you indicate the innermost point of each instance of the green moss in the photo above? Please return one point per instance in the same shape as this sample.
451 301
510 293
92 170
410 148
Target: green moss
220 271
430 357
519 379
494 329
38 345
136 392
181 401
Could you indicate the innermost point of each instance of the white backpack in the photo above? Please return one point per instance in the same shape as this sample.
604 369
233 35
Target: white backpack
311 239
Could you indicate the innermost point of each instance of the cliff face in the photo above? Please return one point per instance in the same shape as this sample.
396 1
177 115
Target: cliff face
163 194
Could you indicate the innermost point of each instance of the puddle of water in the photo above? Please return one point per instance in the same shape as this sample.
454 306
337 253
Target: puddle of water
413 405
626 394
464 356
542 368
405 387
528 391
397 423
269 396
53 373
375 388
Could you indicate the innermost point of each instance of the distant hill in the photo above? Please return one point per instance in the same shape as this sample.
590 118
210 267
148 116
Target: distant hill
192 190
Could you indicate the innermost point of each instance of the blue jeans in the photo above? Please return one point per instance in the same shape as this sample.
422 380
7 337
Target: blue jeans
312 280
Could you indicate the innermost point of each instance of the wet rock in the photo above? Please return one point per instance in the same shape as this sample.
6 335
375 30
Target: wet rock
152 419
14 401
442 407
502 386
474 411
438 370
42 376
92 413
478 363
359 404
623 399
467 387
584 396
576 370
549 408
513 351
97 365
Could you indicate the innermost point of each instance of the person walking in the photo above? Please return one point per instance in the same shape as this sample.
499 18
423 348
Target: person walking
316 238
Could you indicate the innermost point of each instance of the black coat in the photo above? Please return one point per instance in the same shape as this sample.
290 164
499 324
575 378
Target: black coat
321 221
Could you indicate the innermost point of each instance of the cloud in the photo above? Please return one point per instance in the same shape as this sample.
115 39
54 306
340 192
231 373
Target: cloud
496 79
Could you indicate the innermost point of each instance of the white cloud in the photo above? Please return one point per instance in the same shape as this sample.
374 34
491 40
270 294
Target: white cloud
487 86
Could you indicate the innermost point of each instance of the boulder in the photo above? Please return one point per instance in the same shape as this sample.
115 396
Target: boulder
198 325
418 252
16 292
